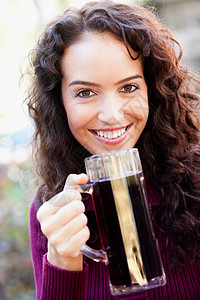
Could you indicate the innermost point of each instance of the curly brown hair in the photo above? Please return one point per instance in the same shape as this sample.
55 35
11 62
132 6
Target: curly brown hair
170 143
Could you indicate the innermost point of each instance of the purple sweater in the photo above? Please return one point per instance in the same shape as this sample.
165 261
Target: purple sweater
92 282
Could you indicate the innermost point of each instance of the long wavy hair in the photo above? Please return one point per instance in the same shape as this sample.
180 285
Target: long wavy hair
170 143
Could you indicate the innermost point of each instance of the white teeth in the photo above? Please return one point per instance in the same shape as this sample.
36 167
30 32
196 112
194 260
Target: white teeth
114 135
123 130
111 134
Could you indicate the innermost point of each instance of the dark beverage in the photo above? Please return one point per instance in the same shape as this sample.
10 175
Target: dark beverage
126 232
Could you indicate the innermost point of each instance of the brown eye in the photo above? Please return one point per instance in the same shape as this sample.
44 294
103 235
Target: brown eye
85 94
128 88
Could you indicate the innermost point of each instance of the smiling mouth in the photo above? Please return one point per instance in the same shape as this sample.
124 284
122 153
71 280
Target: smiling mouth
111 134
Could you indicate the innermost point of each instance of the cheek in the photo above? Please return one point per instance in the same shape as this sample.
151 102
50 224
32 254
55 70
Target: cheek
144 112
138 108
78 118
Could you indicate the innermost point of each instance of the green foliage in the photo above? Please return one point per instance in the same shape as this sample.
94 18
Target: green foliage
16 281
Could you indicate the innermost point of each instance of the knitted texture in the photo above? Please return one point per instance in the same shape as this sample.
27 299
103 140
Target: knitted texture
92 283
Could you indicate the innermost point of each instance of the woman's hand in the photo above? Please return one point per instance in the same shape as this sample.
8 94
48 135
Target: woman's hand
64 223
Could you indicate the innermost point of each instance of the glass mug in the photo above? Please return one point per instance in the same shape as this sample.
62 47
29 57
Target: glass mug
120 202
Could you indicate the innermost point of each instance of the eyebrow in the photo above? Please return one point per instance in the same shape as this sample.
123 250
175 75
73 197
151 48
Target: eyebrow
128 78
82 82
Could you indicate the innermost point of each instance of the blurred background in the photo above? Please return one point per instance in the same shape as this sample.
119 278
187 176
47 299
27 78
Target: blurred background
21 21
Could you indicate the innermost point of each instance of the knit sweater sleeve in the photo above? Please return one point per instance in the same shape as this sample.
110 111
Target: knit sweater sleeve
52 282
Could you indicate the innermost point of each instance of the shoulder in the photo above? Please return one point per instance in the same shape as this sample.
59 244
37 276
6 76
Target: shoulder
38 199
36 235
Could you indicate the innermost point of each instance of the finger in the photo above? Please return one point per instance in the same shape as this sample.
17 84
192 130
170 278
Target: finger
64 215
67 195
74 179
71 193
64 197
54 204
71 248
51 206
78 240
66 232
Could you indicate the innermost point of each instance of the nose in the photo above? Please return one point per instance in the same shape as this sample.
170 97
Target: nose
110 110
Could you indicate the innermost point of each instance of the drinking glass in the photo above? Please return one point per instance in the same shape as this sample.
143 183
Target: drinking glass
129 248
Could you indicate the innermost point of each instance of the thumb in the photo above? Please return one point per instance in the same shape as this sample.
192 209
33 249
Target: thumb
74 179
72 188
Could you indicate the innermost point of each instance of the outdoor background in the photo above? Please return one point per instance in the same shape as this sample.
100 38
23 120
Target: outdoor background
21 22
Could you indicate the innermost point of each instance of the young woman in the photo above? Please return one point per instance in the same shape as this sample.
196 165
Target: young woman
107 77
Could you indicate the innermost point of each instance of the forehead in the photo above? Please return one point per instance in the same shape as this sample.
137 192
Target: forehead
101 50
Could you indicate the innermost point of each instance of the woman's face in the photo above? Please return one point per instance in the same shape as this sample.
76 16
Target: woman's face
104 93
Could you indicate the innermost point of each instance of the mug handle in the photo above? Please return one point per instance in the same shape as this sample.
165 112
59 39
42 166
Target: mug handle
96 255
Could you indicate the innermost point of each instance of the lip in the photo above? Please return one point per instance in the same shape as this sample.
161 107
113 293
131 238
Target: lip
115 140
